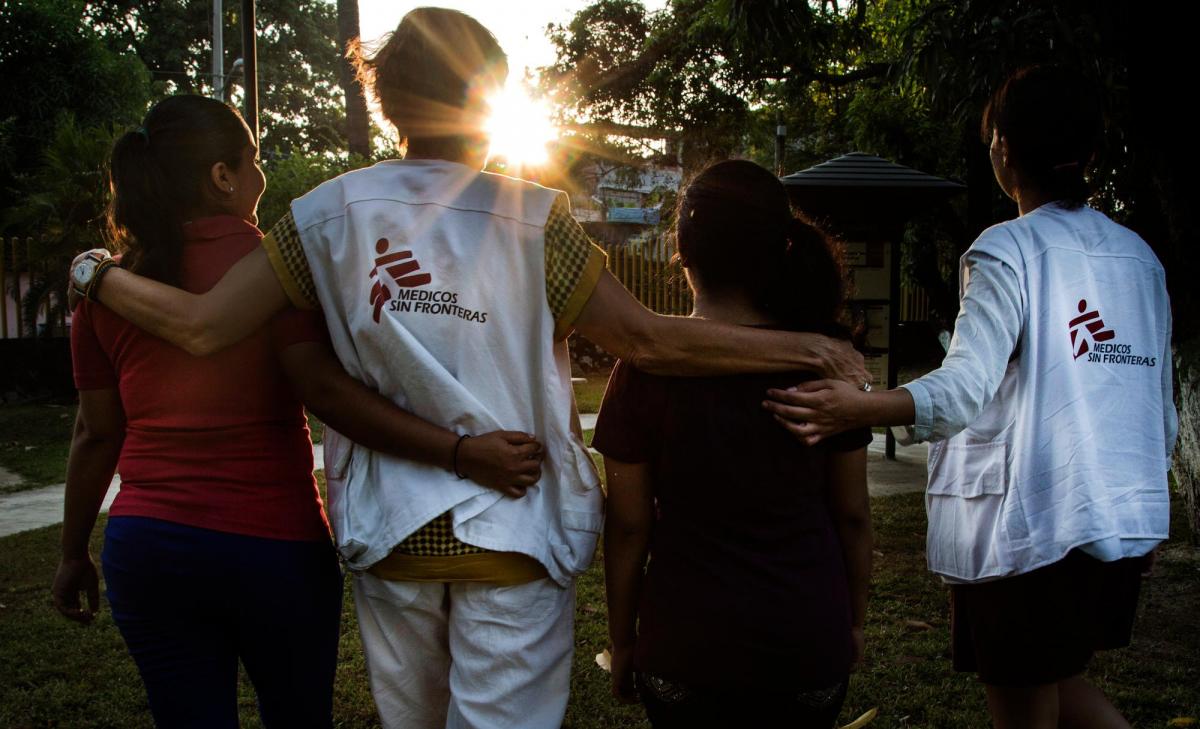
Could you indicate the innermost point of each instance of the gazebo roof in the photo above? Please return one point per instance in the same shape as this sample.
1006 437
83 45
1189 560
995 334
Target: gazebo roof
863 170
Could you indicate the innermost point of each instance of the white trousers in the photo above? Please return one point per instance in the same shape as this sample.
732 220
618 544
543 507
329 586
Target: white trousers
467 655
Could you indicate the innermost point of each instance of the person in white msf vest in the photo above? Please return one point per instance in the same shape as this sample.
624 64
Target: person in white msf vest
1051 420
452 292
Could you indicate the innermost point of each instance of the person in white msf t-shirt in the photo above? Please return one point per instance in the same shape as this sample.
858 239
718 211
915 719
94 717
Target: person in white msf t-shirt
1051 420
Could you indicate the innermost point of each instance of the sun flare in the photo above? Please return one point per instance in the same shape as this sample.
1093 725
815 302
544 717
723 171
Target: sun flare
520 127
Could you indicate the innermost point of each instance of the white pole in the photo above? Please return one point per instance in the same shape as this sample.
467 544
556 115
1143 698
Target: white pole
218 50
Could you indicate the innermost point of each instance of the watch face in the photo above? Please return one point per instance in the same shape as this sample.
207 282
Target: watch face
83 271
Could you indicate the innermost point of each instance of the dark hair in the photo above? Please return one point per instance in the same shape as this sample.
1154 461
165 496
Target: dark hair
159 176
1050 117
736 230
429 70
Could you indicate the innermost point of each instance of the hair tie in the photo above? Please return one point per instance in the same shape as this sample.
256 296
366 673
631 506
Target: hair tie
145 134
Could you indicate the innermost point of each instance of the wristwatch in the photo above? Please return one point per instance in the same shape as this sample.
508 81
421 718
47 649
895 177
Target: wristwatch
87 270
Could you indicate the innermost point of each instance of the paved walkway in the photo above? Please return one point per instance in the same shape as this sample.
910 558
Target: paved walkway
42 507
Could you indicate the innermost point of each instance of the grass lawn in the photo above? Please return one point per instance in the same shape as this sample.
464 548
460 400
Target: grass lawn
57 673
35 442
589 394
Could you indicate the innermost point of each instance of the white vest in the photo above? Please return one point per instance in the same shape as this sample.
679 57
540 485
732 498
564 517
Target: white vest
1072 449
432 279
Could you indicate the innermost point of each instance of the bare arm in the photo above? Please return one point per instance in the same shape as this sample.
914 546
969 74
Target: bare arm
812 411
241 302
506 461
672 345
851 509
95 448
942 402
628 523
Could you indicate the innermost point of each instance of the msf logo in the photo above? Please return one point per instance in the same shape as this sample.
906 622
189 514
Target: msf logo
399 268
1091 321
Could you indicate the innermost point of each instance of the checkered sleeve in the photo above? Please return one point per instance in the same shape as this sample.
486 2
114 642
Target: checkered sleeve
291 267
573 266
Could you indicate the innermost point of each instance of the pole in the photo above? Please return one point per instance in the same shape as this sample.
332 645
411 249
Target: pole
896 235
218 50
780 135
250 68
3 294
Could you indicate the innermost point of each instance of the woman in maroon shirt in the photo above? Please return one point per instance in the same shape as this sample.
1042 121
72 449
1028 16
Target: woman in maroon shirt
217 548
750 612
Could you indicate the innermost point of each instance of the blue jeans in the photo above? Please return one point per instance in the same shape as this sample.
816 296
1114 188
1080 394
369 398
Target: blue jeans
191 602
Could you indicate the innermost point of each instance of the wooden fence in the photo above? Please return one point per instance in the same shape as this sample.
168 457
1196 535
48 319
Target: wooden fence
914 303
19 270
646 269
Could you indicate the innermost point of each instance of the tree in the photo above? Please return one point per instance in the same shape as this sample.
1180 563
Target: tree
53 64
298 56
65 201
661 76
358 131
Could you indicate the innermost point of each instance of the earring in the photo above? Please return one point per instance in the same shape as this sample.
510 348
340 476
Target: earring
231 188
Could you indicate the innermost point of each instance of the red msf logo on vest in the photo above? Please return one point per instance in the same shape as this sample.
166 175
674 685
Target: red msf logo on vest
1090 326
401 267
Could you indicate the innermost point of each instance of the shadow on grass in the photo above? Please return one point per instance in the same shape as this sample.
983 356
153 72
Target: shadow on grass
57 673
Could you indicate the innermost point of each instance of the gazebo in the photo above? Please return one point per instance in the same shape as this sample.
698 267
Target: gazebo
866 201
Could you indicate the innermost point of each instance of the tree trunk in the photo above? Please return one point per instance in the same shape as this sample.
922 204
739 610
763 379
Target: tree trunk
1187 453
358 132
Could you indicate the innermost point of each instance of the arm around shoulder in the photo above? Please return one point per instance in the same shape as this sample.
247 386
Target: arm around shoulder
200 324
673 345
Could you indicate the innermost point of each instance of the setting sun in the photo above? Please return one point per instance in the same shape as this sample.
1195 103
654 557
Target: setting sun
520 127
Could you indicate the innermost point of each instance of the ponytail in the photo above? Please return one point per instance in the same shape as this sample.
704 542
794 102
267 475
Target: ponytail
159 175
145 221
806 290
736 230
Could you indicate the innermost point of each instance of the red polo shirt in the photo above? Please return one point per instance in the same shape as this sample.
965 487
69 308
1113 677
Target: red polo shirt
218 442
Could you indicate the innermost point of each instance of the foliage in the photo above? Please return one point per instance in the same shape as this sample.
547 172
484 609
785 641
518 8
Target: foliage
51 63
665 74
64 202
98 66
289 178
297 50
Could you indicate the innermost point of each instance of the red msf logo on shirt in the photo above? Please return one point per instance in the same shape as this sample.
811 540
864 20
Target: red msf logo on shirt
1094 326
400 268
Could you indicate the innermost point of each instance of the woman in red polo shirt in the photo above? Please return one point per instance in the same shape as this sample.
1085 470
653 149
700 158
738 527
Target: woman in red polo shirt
217 548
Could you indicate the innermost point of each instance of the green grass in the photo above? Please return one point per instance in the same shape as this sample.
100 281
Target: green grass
35 443
57 673
588 395
316 429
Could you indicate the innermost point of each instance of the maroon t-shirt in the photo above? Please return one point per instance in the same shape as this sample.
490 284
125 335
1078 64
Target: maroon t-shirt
745 583
217 442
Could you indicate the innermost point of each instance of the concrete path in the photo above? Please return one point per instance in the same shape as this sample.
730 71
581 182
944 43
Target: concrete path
42 507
